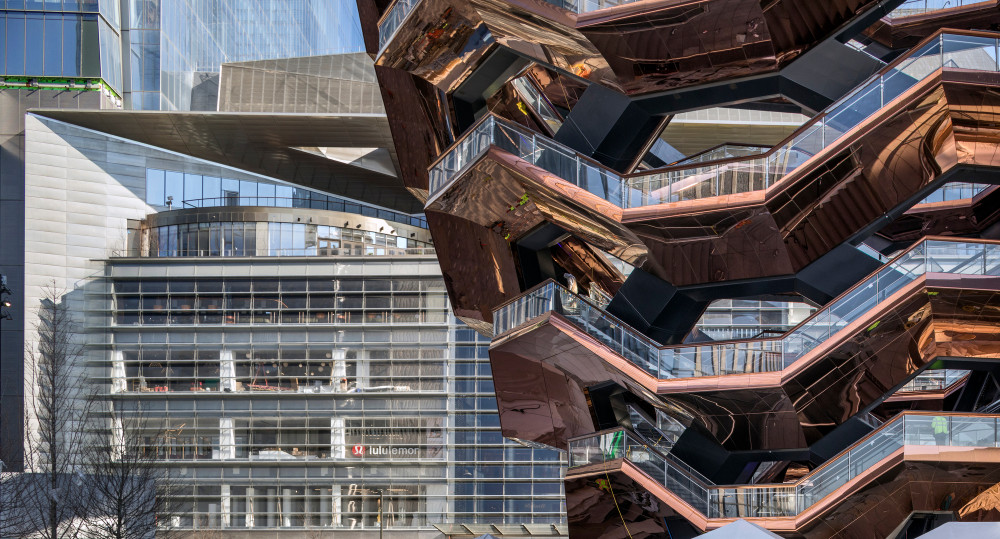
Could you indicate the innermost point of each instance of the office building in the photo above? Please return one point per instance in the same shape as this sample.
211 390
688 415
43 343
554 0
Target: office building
269 303
625 195
112 54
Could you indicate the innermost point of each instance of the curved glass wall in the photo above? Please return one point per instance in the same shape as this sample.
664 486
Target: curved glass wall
179 190
274 239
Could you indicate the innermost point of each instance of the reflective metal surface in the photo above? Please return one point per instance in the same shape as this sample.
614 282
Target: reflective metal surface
965 460
443 41
638 48
766 400
906 28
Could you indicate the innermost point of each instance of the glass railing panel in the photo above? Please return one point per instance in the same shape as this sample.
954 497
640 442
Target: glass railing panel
759 501
538 103
514 139
752 502
991 259
973 432
810 141
852 112
947 257
556 159
597 449
955 191
397 14
760 355
919 7
969 52
926 430
726 151
600 182
935 380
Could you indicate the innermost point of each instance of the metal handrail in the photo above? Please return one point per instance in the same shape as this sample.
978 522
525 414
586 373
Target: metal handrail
770 354
635 185
790 499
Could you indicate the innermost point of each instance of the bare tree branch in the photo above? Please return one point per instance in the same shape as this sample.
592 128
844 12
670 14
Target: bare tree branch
58 404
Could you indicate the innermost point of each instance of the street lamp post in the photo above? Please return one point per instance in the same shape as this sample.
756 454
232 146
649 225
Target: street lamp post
5 304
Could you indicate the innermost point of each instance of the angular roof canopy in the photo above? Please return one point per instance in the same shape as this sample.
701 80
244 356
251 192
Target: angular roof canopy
268 144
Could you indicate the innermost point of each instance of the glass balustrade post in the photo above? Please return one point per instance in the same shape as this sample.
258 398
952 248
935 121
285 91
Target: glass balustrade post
941 50
553 298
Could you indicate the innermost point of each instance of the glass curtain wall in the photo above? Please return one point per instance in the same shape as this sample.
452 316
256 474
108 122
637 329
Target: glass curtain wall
178 44
306 422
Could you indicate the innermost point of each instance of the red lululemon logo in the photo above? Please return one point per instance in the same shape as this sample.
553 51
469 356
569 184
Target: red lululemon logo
359 450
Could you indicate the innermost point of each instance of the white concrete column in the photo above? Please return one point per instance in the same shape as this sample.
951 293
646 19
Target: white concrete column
118 381
338 438
250 508
227 371
226 514
338 371
227 439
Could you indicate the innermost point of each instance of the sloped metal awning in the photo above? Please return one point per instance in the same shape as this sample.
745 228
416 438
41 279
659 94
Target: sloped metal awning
461 531
269 144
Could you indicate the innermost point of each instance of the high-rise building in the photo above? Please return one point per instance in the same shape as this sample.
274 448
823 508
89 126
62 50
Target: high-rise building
282 332
175 49
112 54
738 258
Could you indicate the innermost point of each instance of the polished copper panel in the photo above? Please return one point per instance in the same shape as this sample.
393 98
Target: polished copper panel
943 123
417 113
495 202
935 316
905 32
511 196
913 478
478 269
638 48
950 218
444 41
604 502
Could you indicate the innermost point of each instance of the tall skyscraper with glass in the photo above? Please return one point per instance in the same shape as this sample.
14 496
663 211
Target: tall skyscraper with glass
112 54
269 304
175 48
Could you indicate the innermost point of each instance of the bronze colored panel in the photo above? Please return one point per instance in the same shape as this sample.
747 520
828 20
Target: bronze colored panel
512 197
477 266
608 503
945 122
873 504
905 32
444 41
417 114
936 316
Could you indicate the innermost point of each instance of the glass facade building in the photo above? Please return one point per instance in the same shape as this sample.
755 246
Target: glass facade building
174 47
291 371
62 39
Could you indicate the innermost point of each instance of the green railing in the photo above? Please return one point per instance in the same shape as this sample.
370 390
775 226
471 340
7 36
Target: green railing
785 500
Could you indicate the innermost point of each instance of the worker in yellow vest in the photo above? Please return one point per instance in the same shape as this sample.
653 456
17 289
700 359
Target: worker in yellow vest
940 426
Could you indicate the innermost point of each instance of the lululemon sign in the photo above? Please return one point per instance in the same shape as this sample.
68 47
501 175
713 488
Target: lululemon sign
383 451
